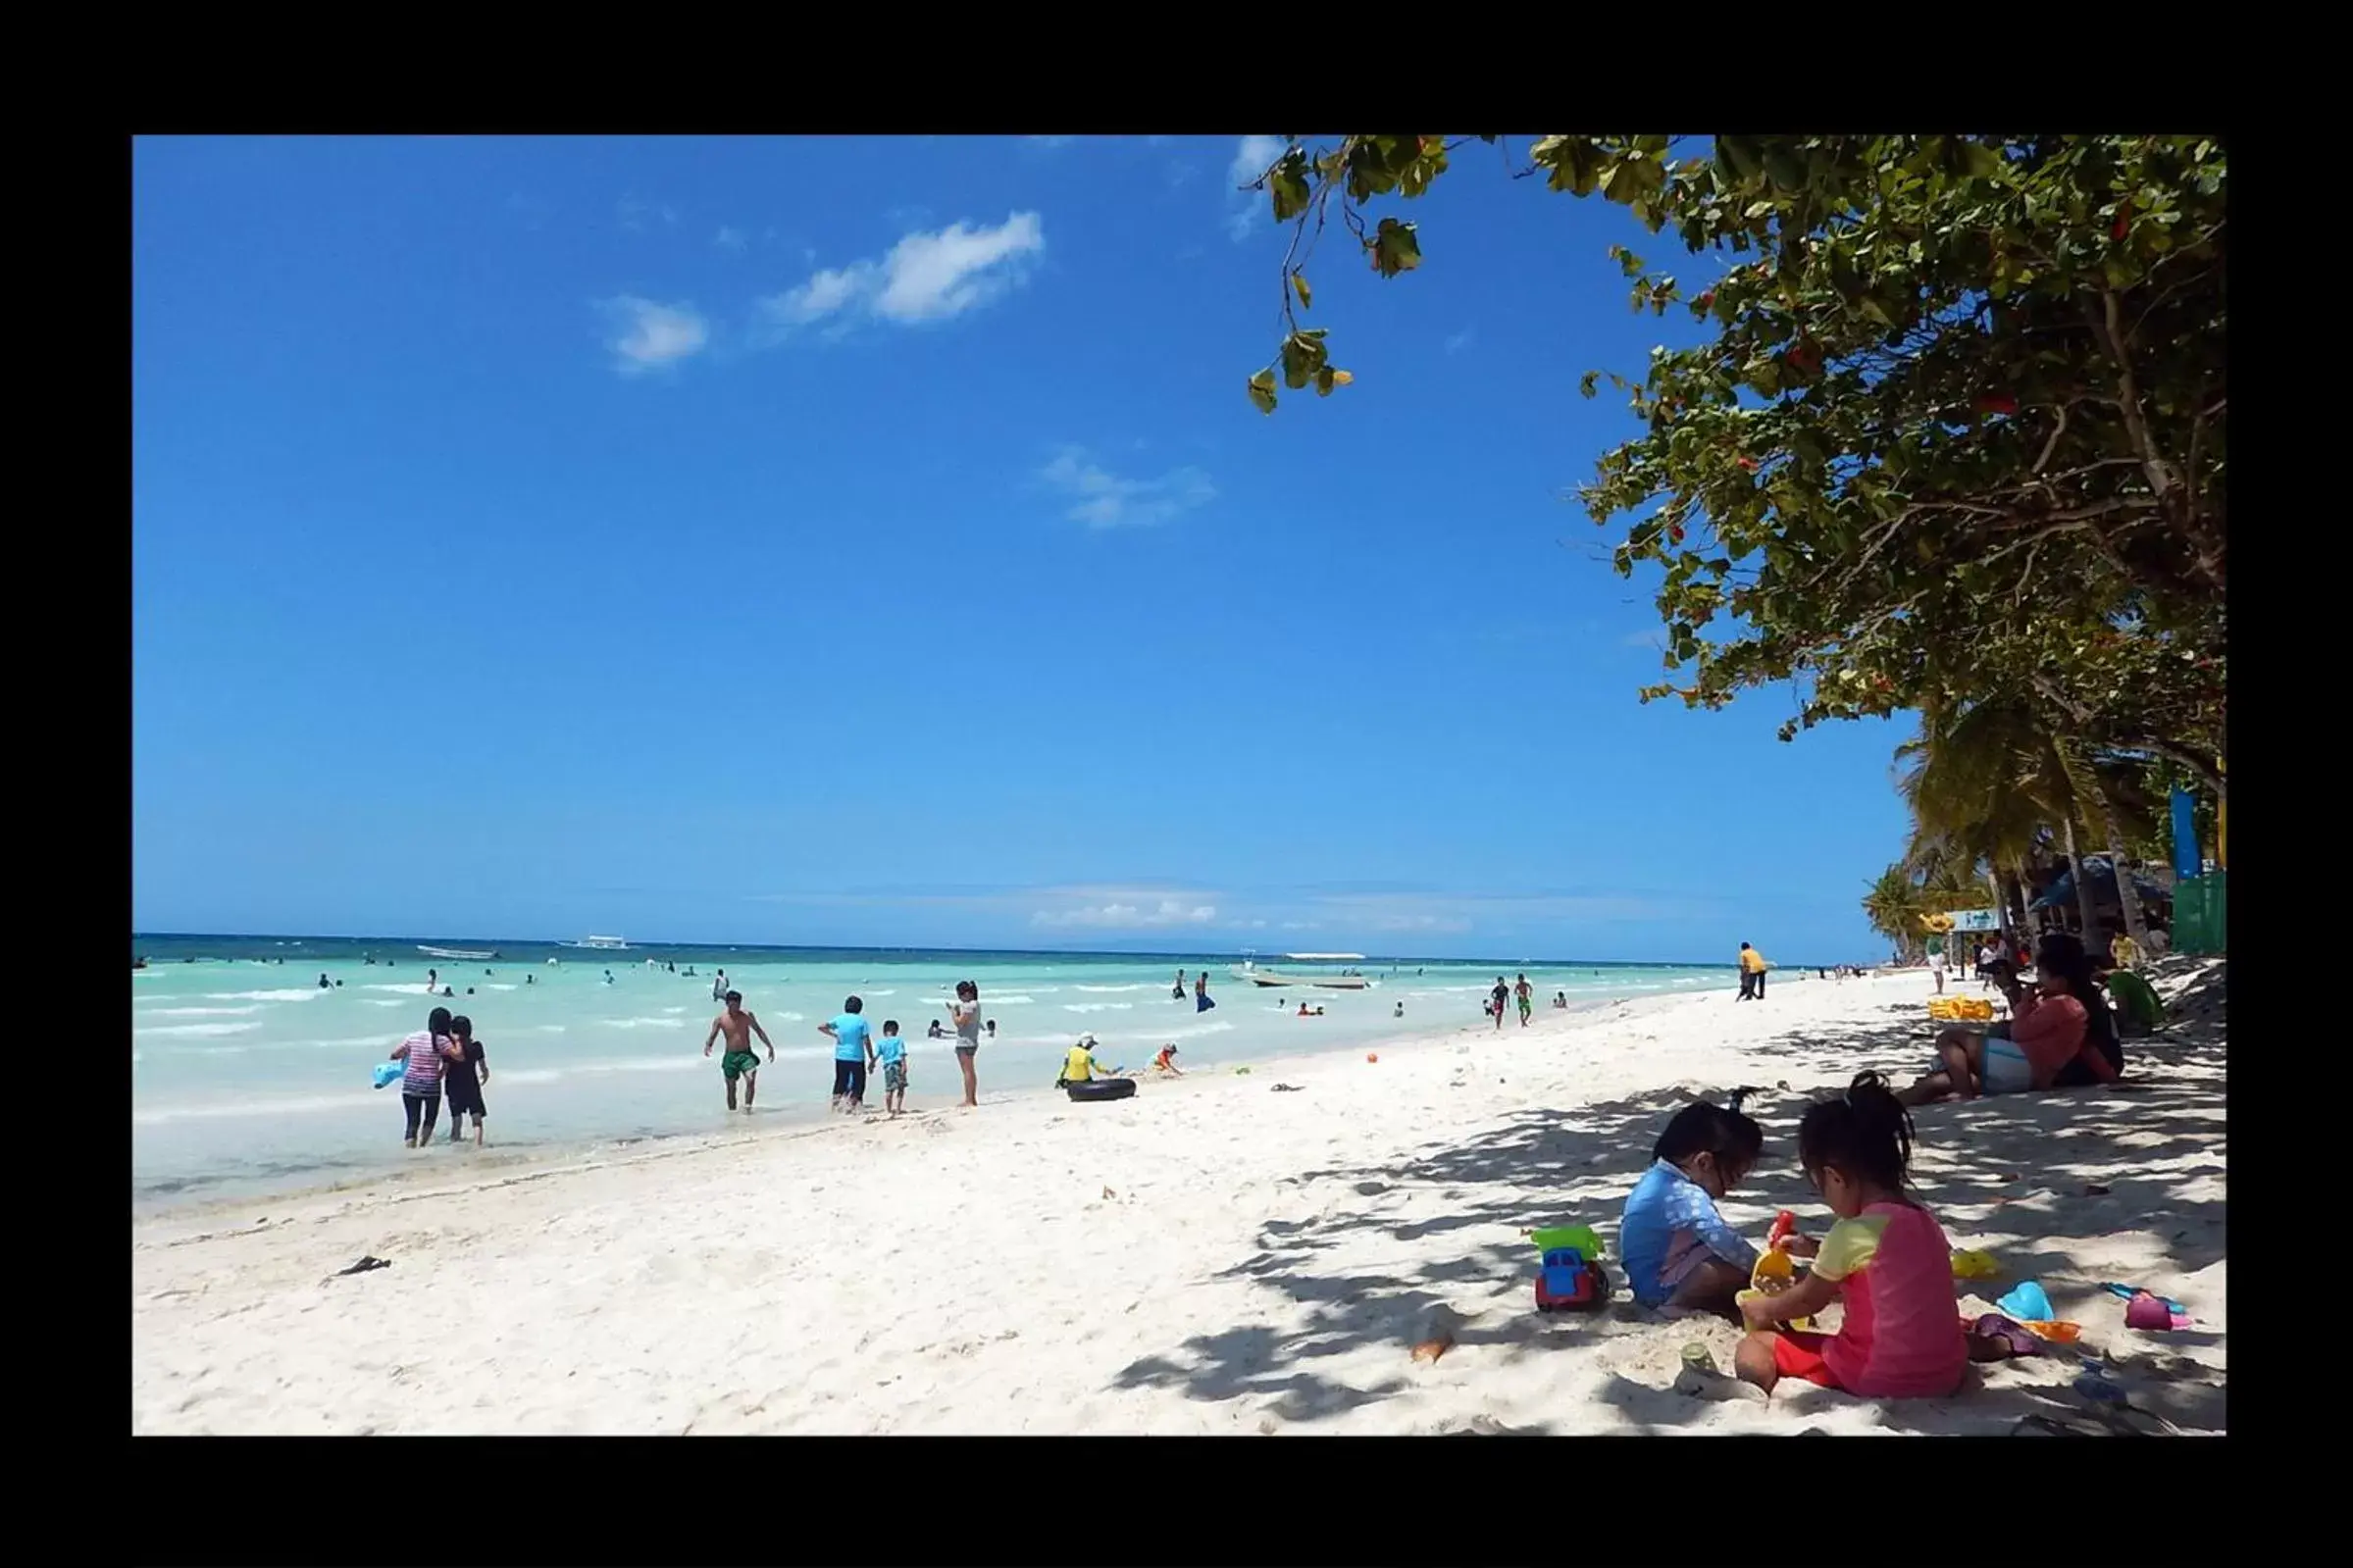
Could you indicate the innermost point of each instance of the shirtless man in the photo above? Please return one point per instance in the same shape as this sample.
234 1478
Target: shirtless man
738 1026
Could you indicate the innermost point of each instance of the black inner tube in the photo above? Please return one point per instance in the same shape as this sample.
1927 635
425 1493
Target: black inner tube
1101 1088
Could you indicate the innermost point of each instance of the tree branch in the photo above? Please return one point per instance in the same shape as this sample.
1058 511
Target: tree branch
2051 445
2160 478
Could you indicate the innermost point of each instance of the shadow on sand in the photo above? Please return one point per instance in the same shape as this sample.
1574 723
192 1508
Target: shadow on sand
2009 1173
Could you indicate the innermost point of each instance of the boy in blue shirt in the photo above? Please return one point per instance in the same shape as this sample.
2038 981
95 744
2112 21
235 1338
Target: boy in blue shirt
892 1052
850 1033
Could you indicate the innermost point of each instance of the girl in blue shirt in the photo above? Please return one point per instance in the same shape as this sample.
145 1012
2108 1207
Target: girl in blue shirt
1678 1250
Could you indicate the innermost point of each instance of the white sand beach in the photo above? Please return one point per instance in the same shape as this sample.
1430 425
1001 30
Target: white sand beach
1210 1256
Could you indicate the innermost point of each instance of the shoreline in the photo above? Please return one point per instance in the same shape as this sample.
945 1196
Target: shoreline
1208 1256
784 1116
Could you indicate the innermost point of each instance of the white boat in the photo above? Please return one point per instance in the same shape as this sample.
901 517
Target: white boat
453 953
1273 978
602 944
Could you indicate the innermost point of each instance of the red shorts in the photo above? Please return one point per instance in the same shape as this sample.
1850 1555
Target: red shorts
1800 1355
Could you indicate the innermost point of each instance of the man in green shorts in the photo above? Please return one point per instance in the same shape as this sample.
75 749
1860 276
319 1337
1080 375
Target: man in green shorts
738 1026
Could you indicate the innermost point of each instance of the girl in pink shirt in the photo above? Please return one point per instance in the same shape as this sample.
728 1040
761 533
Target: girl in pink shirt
1886 1262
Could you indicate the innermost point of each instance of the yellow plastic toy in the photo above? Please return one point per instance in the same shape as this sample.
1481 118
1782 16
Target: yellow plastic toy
1773 1274
1961 1009
1974 1264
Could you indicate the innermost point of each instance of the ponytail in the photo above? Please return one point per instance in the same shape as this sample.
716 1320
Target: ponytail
1867 1133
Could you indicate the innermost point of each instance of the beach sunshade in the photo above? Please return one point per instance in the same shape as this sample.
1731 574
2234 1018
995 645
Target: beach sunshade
2103 886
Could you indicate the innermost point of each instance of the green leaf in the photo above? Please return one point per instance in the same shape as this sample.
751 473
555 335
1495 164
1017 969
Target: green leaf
1325 379
1288 183
1296 365
1307 298
1396 248
1261 391
1981 160
1589 383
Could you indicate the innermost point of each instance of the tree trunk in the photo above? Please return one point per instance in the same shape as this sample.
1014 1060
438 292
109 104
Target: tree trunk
2027 922
2074 862
2127 898
2001 910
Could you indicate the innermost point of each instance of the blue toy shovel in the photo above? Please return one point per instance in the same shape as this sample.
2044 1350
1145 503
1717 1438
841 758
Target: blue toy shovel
2129 1291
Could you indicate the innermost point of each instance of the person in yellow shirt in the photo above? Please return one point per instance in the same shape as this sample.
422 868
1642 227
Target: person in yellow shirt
1079 1066
1752 974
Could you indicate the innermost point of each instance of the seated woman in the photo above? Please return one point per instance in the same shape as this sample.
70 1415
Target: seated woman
2060 1036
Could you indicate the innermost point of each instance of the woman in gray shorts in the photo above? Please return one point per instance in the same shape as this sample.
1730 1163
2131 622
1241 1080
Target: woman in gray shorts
967 1013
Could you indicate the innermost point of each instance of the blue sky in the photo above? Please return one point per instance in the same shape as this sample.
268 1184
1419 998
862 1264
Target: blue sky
869 541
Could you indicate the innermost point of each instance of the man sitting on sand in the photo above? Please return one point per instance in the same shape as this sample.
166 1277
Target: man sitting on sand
739 1027
1079 1065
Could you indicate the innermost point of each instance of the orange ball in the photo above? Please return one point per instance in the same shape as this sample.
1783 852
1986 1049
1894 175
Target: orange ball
1370 1057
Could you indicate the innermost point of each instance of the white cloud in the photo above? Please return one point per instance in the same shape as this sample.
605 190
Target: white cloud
731 240
647 334
1251 155
924 278
931 276
1102 499
637 214
1127 917
824 294
1460 341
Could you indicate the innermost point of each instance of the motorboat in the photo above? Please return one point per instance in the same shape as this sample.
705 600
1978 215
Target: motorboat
1347 978
602 944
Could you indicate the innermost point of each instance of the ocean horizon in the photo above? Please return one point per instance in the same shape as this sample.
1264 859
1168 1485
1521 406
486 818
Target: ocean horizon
248 1076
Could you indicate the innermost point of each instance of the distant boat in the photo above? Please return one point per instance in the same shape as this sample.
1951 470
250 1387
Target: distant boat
602 944
1270 978
453 953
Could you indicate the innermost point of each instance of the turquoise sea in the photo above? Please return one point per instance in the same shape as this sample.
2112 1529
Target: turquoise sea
248 1076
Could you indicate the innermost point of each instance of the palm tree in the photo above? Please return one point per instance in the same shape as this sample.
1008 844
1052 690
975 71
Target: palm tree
1989 780
1892 906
